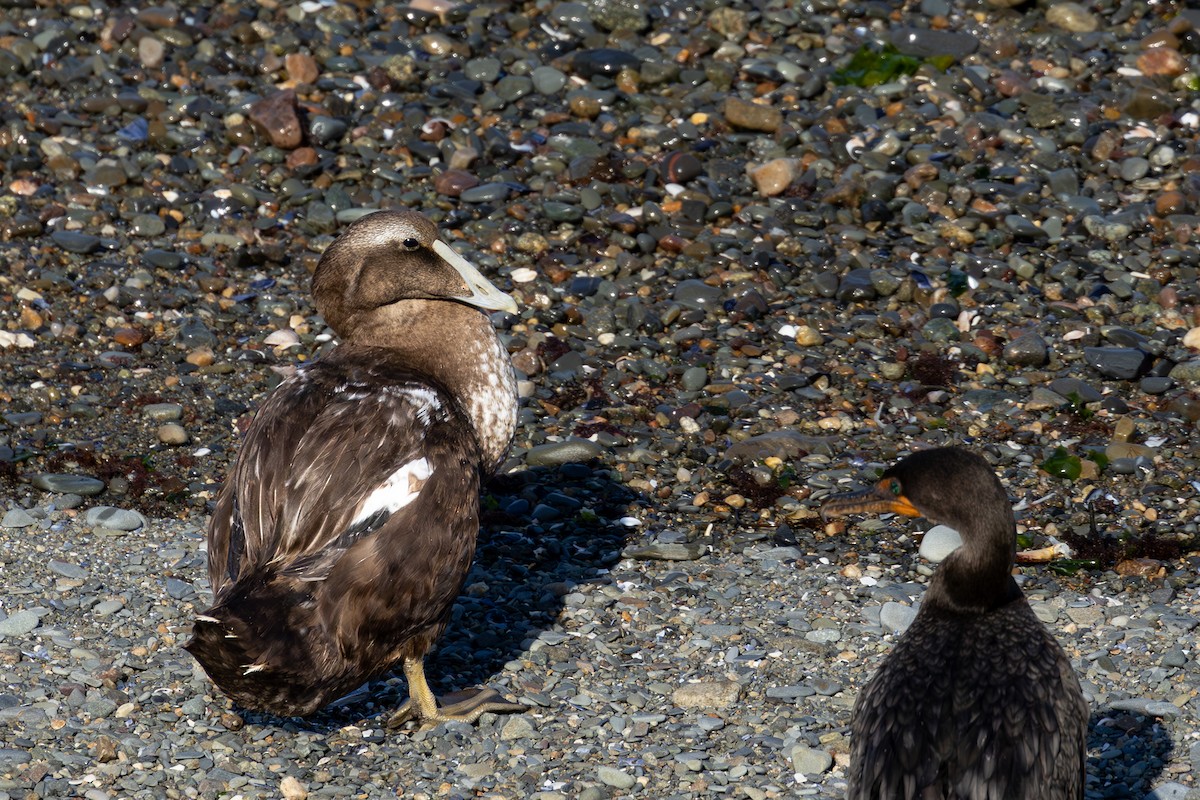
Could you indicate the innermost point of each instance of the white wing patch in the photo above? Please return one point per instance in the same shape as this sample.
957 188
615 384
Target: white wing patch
400 489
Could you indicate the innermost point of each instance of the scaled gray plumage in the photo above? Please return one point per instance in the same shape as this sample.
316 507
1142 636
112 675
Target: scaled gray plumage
977 700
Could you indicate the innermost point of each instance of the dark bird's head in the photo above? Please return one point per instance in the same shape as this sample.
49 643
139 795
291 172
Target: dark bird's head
946 484
388 257
958 488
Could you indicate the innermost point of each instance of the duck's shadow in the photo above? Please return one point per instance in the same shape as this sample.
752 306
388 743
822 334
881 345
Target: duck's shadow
1138 741
544 532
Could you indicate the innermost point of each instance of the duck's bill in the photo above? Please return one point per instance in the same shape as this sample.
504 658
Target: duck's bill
483 293
868 501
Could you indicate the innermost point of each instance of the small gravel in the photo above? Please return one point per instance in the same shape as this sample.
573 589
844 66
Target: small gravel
760 252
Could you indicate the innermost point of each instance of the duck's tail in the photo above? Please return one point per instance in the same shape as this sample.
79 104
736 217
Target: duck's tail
262 647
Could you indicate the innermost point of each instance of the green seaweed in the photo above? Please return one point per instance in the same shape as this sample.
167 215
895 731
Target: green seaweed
870 67
1062 464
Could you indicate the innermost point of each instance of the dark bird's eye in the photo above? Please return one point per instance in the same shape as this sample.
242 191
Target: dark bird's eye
894 487
411 244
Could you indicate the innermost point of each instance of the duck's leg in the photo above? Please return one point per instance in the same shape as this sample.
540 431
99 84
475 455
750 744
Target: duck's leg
466 706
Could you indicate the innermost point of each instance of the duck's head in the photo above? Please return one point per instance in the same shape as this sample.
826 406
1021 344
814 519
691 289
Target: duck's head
389 257
945 484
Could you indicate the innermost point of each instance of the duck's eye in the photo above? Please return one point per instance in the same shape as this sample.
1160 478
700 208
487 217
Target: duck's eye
894 487
411 244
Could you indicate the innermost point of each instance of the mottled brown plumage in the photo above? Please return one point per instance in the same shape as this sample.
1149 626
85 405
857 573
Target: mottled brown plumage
346 528
977 700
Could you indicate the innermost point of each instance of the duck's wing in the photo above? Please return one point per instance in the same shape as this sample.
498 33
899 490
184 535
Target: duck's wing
332 455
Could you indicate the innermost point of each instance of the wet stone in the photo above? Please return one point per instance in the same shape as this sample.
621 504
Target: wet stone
856 285
74 484
485 193
697 294
1082 391
76 242
147 225
927 43
548 80
752 116
603 61
1028 350
275 117
1120 363
1073 17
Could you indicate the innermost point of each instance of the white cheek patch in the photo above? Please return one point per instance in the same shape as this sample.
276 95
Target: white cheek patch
400 489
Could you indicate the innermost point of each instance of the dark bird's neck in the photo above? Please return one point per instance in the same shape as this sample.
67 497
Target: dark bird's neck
977 577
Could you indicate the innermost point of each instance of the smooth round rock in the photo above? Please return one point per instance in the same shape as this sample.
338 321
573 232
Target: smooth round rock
117 519
939 542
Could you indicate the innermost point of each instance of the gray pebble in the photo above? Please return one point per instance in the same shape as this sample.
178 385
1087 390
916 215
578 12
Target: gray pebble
694 379
548 80
17 518
1029 350
19 623
1173 791
1121 363
74 484
1146 707
565 452
107 608
116 519
517 726
896 617
665 551
939 542
67 569
162 412
617 778
790 693
810 761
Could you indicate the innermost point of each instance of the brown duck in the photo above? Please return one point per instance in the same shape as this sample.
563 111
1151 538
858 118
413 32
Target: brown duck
977 700
344 532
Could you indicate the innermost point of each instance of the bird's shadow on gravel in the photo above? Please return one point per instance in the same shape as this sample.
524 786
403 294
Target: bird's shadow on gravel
545 533
1138 741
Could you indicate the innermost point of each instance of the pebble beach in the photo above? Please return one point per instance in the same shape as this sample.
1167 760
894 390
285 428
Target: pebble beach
761 250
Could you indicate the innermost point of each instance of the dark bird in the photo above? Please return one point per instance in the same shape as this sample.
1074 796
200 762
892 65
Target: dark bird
345 530
977 700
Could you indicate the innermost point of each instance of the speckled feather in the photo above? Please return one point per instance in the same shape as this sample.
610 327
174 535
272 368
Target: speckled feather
977 700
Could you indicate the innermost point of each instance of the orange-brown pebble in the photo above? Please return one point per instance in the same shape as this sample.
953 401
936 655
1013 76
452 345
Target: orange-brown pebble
1170 202
200 357
1162 61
